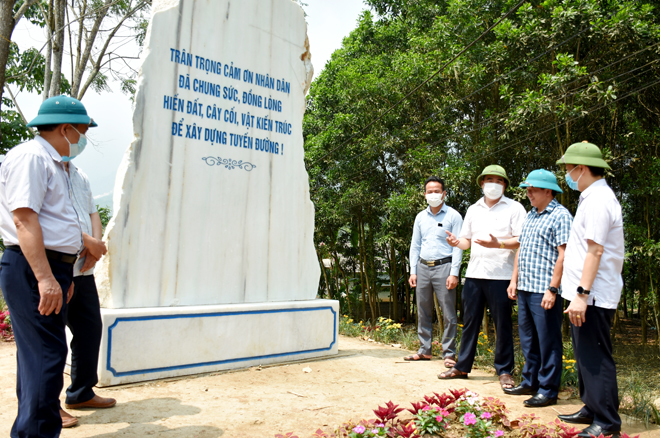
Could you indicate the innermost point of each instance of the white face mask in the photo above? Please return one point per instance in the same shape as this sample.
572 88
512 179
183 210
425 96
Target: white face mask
434 199
493 191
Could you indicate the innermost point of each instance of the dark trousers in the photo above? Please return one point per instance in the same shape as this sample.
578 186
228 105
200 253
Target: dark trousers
40 346
83 318
476 293
540 342
595 366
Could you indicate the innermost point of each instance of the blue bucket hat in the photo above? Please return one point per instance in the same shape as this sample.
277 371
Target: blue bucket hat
62 109
542 179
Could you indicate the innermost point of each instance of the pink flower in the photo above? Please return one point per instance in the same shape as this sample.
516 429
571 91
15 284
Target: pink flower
499 433
375 431
444 413
426 408
439 419
359 429
486 415
380 425
469 418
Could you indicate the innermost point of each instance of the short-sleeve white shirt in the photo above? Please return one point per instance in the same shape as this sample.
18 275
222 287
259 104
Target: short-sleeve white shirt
503 220
84 203
33 176
599 219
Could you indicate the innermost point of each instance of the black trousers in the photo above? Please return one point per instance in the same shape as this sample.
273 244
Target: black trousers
596 369
40 346
476 293
83 318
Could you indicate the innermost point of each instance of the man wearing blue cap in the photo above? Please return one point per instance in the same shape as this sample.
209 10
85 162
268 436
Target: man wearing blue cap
40 229
536 277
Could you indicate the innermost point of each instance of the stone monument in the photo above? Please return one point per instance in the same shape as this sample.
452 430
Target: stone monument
211 263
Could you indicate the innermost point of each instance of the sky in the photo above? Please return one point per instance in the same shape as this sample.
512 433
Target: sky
329 21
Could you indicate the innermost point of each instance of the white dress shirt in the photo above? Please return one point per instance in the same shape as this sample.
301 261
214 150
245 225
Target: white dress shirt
503 220
33 176
598 218
84 203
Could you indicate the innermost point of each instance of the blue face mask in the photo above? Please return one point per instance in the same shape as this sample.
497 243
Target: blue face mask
75 149
572 184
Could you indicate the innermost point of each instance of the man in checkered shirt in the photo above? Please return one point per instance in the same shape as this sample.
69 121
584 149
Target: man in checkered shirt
537 276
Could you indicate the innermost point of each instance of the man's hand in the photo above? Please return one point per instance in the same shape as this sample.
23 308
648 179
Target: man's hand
413 280
69 294
452 240
577 310
89 262
51 296
548 301
452 282
95 247
492 242
512 291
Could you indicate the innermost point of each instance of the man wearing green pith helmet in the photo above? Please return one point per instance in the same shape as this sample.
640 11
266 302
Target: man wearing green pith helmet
40 228
592 283
491 222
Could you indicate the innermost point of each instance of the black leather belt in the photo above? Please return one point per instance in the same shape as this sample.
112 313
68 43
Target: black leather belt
52 255
431 263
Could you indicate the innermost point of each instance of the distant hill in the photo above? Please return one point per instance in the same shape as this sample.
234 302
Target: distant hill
104 200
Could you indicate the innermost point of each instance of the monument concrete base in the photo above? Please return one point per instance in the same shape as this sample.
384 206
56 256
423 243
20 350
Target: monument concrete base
155 343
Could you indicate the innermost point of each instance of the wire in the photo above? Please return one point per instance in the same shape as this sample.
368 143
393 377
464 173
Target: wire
486 32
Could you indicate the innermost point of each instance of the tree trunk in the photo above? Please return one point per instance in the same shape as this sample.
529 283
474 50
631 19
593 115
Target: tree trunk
325 274
6 29
394 277
58 47
643 311
49 51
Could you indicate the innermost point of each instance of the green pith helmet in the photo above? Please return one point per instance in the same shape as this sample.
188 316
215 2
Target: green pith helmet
494 170
542 179
585 153
62 109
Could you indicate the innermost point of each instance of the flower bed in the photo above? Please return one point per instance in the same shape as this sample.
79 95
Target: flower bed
459 414
6 333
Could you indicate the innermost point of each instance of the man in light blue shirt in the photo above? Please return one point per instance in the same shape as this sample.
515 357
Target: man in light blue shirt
434 268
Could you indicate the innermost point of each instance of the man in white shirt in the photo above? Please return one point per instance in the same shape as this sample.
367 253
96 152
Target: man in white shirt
83 316
40 229
592 283
492 220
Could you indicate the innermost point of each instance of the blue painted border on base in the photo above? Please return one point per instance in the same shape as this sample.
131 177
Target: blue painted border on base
213 315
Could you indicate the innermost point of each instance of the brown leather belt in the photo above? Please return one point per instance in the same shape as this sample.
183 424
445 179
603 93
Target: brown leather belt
52 255
431 263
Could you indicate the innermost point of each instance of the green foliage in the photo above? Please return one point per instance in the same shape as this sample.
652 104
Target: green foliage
105 214
552 74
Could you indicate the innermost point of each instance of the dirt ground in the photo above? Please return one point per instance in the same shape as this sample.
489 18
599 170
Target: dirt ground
276 399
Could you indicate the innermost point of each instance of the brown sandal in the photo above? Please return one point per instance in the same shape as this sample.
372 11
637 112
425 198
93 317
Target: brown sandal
506 379
416 357
453 374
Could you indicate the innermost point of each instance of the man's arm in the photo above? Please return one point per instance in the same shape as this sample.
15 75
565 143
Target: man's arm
493 242
513 284
578 307
456 255
413 256
549 298
31 241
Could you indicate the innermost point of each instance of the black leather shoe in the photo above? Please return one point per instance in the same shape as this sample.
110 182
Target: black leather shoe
595 430
576 418
539 401
519 390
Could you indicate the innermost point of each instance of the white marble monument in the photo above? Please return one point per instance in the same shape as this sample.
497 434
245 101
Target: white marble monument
210 250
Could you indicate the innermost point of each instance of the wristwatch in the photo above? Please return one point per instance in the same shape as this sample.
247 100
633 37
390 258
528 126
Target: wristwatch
554 290
582 291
